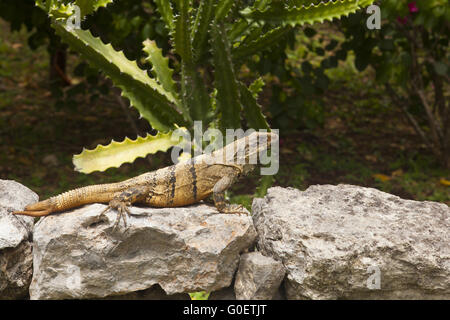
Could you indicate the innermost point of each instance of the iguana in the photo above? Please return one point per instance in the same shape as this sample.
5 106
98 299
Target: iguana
181 184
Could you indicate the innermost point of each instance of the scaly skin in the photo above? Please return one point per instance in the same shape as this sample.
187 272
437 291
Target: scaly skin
178 185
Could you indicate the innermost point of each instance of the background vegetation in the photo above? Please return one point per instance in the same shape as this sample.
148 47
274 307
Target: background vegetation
343 97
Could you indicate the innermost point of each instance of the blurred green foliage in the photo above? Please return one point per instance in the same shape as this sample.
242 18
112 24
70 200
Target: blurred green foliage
410 55
125 25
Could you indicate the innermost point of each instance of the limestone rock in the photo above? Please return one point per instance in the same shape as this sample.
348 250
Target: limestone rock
187 249
349 242
258 277
15 234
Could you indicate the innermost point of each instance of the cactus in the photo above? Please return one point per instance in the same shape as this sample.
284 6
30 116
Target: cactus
209 37
117 153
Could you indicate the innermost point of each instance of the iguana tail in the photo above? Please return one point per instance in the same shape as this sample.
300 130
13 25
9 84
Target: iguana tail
38 209
102 193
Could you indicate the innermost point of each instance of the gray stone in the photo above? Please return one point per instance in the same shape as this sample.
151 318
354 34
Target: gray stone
336 242
187 249
15 235
258 277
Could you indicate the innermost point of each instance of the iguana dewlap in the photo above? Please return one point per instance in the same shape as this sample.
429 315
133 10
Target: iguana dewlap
177 185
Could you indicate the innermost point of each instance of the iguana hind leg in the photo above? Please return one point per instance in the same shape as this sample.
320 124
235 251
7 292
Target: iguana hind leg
219 197
122 201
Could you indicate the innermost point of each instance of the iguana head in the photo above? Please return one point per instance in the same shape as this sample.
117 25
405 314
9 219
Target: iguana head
250 150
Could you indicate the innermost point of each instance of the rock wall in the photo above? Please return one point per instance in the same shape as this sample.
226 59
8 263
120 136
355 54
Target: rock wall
16 260
349 242
328 242
77 254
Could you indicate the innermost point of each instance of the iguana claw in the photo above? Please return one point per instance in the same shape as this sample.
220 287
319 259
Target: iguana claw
121 207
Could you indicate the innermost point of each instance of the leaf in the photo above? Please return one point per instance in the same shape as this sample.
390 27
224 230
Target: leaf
199 295
228 102
182 39
153 102
60 10
279 13
165 10
90 6
252 109
251 35
161 69
445 182
199 33
238 30
261 4
193 91
117 153
256 87
381 177
261 43
223 7
195 96
397 173
298 3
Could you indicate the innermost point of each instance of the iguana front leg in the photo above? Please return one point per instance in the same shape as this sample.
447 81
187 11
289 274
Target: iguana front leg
123 200
219 197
